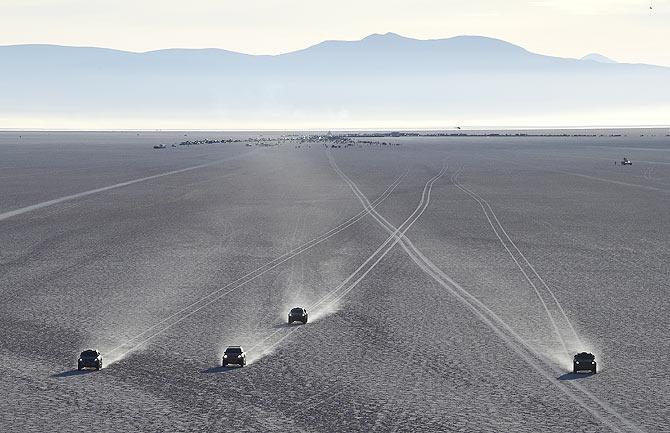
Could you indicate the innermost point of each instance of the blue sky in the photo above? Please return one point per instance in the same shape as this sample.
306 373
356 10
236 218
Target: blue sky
625 30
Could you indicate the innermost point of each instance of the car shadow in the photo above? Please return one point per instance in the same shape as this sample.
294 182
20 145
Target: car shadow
220 369
70 373
575 376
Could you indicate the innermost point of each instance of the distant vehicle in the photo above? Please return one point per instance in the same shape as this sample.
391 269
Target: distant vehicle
626 161
160 146
89 359
584 361
298 314
249 145
234 355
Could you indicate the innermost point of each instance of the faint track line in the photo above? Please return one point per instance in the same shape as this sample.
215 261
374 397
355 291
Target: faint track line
488 212
586 176
20 211
553 296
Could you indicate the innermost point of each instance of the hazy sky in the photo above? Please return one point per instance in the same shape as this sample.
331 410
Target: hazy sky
625 30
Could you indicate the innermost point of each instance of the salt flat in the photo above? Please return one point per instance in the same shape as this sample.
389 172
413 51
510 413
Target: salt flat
525 251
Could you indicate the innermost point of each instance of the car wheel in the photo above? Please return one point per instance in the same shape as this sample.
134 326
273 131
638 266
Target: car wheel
223 364
574 370
79 367
593 370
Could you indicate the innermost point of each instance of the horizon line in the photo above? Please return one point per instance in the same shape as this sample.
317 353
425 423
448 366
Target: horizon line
450 129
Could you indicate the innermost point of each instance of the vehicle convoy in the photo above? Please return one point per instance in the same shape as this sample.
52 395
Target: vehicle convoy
90 358
234 355
584 361
298 314
626 161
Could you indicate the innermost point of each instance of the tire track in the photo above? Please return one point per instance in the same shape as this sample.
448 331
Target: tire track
340 291
586 176
599 409
498 229
23 210
399 232
185 312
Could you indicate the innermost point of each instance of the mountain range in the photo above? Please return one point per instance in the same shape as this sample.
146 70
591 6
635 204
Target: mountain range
380 81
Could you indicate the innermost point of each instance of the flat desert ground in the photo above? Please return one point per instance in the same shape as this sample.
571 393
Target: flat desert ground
449 282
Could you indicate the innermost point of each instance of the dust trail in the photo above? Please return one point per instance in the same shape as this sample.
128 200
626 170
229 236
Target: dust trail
108 360
133 343
513 340
20 211
327 302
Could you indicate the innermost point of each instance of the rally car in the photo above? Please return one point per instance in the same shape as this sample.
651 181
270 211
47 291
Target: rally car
584 361
297 314
90 358
234 355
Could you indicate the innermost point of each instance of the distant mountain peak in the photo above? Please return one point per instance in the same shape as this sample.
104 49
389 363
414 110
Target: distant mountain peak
595 57
387 35
388 43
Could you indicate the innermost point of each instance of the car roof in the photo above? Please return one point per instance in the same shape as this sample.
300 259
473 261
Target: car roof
87 351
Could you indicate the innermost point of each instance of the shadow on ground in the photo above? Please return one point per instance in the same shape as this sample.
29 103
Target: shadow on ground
220 369
575 376
70 373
